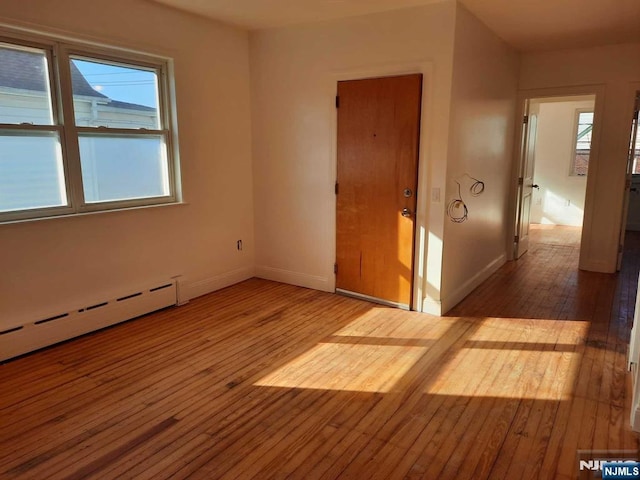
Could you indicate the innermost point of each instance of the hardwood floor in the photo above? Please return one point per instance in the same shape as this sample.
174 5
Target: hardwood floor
545 283
265 380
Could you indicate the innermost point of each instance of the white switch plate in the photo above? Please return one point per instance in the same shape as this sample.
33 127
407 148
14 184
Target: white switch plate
435 195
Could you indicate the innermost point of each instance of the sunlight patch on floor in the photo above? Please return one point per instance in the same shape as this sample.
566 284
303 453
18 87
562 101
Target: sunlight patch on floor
489 357
542 375
350 367
381 322
515 358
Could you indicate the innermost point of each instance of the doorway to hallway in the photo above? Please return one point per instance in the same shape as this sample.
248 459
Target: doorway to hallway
554 165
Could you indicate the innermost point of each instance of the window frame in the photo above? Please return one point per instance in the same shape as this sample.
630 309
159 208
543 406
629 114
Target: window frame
59 54
574 140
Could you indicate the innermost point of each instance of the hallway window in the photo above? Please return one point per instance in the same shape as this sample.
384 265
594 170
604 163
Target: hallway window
582 145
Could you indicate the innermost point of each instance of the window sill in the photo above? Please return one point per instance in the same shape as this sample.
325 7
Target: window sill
85 214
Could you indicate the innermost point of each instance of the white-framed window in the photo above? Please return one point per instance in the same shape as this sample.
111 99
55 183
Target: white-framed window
82 129
581 142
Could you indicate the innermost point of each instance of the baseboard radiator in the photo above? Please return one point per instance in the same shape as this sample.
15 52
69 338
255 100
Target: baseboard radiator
634 367
63 325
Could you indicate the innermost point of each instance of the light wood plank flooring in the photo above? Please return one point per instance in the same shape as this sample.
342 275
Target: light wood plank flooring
264 380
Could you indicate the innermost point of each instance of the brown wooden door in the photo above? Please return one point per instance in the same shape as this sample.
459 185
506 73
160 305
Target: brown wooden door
378 132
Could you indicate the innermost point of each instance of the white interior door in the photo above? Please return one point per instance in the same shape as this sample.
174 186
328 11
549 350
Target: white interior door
632 152
525 181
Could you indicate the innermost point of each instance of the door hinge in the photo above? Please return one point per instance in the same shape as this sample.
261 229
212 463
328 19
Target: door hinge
520 181
335 268
336 188
516 239
620 248
337 101
525 119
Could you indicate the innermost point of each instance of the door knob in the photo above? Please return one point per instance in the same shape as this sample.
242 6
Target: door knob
406 213
535 186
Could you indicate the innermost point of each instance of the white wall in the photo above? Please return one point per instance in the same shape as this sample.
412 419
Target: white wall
294 76
560 198
61 262
614 67
480 144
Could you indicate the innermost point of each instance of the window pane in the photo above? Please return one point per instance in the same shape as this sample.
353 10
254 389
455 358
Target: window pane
116 96
585 127
123 168
31 171
24 86
583 143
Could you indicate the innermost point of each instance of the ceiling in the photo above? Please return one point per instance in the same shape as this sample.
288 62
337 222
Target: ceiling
528 25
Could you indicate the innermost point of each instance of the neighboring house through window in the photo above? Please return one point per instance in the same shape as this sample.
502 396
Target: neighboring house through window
582 143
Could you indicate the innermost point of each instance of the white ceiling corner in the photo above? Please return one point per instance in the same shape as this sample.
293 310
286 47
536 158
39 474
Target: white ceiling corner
528 25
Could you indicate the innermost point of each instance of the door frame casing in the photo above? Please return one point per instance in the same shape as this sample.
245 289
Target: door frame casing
634 90
522 98
633 146
421 215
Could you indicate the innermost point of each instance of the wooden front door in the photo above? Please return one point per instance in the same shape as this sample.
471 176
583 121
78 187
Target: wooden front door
378 133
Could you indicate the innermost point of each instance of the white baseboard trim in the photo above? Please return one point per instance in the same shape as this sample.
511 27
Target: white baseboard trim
189 290
294 278
432 306
470 285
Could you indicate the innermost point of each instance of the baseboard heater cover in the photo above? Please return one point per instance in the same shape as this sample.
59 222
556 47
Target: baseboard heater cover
42 332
